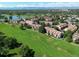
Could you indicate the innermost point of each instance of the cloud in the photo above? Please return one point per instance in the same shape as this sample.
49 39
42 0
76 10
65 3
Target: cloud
24 5
49 4
35 5
29 5
1 5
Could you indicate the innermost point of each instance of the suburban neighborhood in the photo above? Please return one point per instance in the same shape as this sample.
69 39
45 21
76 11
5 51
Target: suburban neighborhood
54 30
57 31
39 29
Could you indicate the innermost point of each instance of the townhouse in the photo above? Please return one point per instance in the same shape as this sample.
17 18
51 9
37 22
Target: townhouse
53 32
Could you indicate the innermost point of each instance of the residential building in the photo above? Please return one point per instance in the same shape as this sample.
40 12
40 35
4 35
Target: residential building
71 27
62 26
48 18
54 32
75 37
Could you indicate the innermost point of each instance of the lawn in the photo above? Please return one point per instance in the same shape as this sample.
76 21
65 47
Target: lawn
42 44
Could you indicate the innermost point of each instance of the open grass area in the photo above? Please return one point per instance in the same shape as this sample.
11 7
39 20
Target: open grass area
42 44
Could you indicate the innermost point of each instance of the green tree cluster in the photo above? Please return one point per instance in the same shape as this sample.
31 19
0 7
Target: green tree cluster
68 36
8 43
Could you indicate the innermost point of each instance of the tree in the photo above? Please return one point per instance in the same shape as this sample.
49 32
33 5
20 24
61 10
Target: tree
2 38
43 24
26 51
61 20
6 20
42 29
11 43
1 33
55 22
68 36
7 43
2 17
10 17
42 19
22 27
4 52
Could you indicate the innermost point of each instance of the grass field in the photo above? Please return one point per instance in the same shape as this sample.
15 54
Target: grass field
42 44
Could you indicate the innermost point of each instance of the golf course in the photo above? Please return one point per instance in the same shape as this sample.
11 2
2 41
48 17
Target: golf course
42 44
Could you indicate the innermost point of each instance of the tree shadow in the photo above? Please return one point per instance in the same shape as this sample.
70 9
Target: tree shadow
11 55
1 33
15 46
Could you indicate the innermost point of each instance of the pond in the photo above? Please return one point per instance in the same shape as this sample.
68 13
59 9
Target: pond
16 18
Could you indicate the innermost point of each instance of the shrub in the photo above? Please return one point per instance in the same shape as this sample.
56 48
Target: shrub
26 51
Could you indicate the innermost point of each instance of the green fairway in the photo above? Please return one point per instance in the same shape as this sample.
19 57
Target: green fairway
42 44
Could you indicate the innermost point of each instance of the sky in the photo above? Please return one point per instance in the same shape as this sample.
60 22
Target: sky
39 4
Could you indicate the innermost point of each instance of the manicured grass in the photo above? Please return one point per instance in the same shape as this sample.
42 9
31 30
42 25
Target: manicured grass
42 44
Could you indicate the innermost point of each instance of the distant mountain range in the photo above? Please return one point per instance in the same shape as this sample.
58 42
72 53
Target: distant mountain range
37 8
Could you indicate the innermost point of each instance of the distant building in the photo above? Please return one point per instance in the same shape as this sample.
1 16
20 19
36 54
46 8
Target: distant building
29 22
71 27
22 22
54 32
48 18
34 26
62 26
35 20
75 37
46 23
